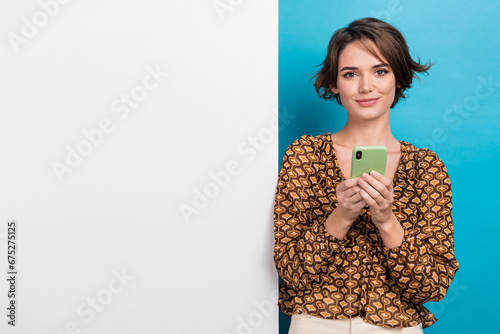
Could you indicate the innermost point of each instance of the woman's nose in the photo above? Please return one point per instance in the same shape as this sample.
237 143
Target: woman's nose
365 84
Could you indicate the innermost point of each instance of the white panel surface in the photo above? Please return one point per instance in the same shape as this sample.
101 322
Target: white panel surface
139 159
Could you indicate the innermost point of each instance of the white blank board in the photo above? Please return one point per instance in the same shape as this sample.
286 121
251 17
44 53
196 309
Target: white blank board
139 163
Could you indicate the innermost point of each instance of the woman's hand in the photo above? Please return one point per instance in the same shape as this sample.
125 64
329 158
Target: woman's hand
377 192
350 204
349 199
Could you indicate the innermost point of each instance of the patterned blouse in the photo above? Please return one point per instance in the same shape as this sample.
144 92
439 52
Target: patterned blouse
358 276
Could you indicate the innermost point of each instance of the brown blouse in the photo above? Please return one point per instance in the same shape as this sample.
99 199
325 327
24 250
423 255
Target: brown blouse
357 275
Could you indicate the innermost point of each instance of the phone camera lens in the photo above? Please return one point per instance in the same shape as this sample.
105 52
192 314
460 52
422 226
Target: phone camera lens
358 155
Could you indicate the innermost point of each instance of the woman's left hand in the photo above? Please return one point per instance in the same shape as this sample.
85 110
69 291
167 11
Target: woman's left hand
377 191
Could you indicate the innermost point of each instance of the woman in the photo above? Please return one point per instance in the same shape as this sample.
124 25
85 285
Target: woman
362 255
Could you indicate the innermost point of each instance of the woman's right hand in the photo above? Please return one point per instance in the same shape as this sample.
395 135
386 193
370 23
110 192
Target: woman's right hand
350 204
349 199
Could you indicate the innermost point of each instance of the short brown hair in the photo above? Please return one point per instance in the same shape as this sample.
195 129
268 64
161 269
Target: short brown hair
392 46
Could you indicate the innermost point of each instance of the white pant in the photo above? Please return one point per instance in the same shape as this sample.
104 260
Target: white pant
307 324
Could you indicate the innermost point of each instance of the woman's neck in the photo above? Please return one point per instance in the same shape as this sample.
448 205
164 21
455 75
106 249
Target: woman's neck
365 133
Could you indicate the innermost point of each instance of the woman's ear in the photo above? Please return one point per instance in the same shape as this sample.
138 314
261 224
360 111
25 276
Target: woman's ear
334 89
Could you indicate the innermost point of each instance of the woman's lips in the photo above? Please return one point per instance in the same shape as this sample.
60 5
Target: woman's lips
367 102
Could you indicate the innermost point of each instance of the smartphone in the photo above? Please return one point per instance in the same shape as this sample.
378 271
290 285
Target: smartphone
368 158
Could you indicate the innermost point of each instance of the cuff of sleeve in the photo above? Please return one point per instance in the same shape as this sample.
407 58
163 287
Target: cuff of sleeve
330 244
402 250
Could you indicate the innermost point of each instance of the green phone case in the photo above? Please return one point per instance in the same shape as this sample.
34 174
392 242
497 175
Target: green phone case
372 158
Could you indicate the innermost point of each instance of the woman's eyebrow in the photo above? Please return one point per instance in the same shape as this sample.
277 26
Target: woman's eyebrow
351 68
381 65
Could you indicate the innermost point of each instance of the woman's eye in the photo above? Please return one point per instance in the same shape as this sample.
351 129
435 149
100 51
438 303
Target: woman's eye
348 75
381 72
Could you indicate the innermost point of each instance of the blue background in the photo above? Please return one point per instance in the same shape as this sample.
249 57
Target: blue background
451 111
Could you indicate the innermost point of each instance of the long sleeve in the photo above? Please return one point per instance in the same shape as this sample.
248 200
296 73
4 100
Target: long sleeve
303 248
424 264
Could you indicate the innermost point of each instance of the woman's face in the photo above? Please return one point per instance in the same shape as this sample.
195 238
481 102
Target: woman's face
366 85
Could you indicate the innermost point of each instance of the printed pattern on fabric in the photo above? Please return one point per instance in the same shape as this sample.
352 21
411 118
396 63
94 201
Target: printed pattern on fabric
357 275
